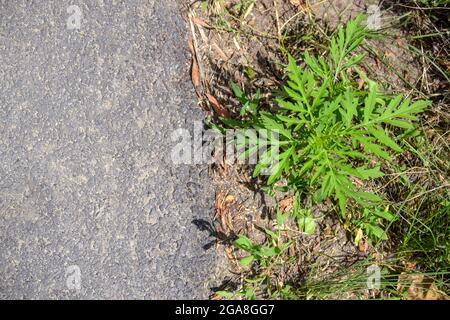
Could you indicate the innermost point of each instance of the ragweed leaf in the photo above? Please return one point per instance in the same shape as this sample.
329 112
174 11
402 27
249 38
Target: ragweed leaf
246 261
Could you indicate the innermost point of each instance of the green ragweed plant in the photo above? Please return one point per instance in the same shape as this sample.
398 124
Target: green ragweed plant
330 132
265 258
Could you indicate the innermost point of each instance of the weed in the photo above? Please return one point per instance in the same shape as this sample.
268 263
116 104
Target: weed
267 257
331 132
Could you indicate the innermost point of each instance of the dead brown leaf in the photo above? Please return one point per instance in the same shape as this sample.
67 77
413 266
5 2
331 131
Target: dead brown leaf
297 2
195 71
229 253
410 265
419 287
229 199
363 246
200 22
223 212
218 108
357 182
292 250
286 204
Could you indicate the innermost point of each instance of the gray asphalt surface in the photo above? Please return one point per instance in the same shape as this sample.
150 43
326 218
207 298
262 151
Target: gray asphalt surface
91 205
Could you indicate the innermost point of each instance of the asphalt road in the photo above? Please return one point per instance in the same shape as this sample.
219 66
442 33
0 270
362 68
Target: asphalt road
91 205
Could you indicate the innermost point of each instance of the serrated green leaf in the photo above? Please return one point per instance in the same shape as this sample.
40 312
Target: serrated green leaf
246 261
243 243
400 124
327 185
384 138
265 160
364 197
393 104
370 173
385 215
306 166
271 123
281 218
377 231
248 153
342 201
377 150
298 107
355 60
419 106
290 120
317 173
370 101
270 251
307 224
280 166
237 92
225 294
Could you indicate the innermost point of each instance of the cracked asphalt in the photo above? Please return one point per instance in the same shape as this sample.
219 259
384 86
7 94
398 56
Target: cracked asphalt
91 205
